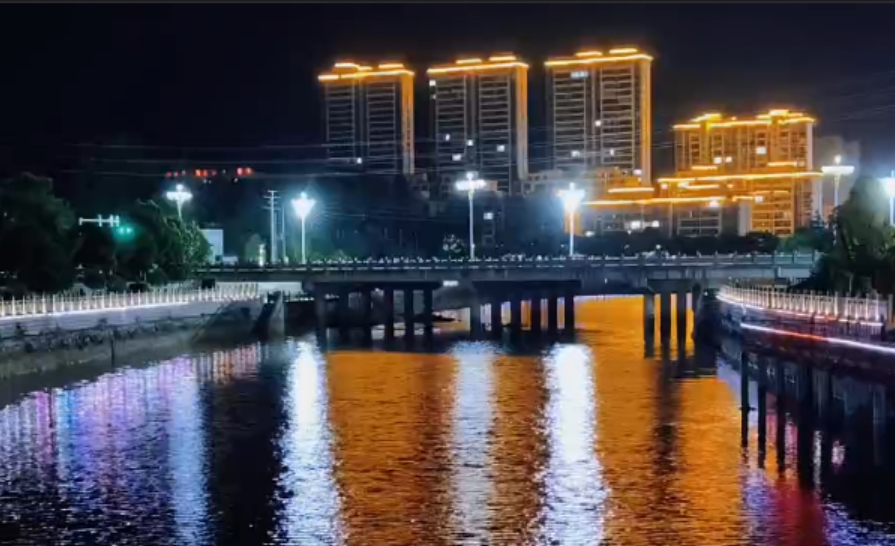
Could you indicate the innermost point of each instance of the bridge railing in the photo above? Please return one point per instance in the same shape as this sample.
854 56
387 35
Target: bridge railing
55 304
832 307
719 260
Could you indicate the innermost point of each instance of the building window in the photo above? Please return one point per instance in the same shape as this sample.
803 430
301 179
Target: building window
576 153
761 150
447 137
579 74
489 215
638 172
717 160
612 152
470 142
728 159
501 148
431 83
359 160
598 123
457 157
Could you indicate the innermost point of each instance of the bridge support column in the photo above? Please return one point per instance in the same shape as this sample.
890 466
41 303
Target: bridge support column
552 312
681 317
408 314
649 323
664 317
320 313
744 399
366 303
496 315
805 434
475 315
780 410
695 300
762 395
343 315
388 299
428 311
536 312
515 312
569 310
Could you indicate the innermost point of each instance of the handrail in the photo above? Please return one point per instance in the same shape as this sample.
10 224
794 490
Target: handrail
871 309
41 305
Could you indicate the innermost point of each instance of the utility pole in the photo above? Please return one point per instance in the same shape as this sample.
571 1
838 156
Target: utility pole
283 232
272 200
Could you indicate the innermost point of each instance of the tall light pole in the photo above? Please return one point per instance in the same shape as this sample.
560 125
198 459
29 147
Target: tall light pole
837 170
180 195
470 185
571 200
889 187
303 206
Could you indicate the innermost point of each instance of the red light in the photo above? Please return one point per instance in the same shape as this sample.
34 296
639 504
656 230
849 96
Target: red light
198 172
248 170
214 172
239 171
168 174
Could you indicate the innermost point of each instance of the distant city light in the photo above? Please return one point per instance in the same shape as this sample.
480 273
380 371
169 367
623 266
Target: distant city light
470 185
180 195
303 206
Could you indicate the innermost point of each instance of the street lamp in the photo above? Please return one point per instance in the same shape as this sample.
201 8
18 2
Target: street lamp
180 195
470 185
303 206
889 187
837 171
571 200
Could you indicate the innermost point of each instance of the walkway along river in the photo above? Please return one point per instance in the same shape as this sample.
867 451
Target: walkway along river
579 442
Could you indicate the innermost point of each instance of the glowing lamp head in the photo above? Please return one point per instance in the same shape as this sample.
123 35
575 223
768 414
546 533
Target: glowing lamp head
471 183
180 194
889 186
303 205
571 198
838 159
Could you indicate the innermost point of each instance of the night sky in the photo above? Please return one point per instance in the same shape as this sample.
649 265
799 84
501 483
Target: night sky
175 78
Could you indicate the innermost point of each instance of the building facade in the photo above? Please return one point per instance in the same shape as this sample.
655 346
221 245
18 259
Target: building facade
368 117
599 112
480 122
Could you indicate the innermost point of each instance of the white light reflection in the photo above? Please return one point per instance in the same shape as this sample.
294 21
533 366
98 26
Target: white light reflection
187 454
575 491
312 503
473 420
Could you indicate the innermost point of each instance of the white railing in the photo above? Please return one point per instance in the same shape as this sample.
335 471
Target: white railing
61 304
869 309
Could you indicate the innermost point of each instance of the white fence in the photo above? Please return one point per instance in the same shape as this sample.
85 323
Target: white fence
54 304
870 309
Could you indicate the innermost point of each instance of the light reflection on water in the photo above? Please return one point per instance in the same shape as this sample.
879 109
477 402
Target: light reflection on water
573 443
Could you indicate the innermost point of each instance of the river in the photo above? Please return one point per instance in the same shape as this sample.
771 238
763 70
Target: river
579 443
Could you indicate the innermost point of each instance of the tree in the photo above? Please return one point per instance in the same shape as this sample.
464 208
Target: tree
36 245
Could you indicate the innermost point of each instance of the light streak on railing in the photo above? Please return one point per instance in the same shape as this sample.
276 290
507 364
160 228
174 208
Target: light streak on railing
46 305
871 311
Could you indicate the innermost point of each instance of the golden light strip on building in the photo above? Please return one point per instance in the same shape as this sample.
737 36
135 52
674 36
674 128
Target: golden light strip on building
594 57
476 67
783 164
700 186
630 190
501 58
655 201
762 176
390 66
469 61
363 71
715 119
704 167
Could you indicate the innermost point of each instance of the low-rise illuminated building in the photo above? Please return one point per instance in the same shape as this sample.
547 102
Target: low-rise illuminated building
733 175
368 113
599 112
480 121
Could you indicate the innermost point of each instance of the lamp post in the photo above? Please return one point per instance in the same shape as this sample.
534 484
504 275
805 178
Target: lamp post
571 200
180 195
303 206
889 187
470 185
837 170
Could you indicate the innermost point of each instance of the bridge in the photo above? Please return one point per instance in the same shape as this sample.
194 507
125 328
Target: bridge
532 279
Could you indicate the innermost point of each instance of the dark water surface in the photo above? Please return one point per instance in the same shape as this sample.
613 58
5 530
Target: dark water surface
577 443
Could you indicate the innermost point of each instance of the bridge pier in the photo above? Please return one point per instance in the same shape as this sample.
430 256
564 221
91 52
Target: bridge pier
762 398
780 411
515 312
496 316
428 310
320 313
681 314
664 317
569 310
649 323
536 312
552 312
366 302
388 300
408 314
695 300
744 399
475 316
343 313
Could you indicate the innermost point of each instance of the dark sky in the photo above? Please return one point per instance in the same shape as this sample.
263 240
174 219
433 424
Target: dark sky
243 75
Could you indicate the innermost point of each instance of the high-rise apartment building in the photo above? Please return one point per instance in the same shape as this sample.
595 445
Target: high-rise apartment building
369 117
480 122
768 157
599 112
